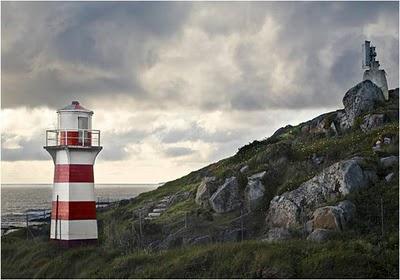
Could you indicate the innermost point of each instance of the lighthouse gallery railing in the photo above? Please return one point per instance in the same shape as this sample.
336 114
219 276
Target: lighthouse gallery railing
66 137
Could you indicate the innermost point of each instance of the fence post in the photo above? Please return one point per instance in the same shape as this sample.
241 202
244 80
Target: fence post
140 228
56 225
382 230
27 227
186 220
241 221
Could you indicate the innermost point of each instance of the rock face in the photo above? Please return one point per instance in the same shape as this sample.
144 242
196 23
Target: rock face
361 98
278 234
254 191
226 198
292 209
372 121
205 190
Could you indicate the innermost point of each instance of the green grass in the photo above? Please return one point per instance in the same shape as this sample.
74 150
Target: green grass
250 259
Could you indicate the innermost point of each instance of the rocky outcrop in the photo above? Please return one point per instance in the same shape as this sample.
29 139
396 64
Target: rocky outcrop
388 162
361 99
226 198
334 218
254 191
244 169
372 121
278 234
293 208
205 190
320 235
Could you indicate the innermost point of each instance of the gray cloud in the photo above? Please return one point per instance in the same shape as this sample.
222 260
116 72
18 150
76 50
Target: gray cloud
31 149
178 151
53 53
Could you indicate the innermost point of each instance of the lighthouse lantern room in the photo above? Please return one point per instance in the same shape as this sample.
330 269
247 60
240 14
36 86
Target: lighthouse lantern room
74 146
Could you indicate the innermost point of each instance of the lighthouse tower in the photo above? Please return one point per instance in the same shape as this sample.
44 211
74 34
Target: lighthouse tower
73 147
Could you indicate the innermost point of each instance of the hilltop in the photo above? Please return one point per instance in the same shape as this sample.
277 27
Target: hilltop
319 199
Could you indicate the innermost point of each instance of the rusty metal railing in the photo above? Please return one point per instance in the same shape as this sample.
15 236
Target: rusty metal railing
70 137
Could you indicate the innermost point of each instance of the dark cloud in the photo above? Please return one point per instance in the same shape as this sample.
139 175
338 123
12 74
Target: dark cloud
194 132
31 149
55 52
307 57
84 50
178 151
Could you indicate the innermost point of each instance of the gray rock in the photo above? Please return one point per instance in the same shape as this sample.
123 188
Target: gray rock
226 198
244 169
349 210
232 235
309 226
171 241
372 121
389 177
390 161
283 212
387 141
205 190
180 196
317 160
361 99
342 120
292 209
319 235
254 191
278 234
201 240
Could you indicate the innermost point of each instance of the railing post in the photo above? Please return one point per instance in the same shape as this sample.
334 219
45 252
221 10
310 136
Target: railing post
83 137
55 228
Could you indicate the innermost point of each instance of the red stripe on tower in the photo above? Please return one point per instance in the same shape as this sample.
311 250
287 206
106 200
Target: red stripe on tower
73 173
74 210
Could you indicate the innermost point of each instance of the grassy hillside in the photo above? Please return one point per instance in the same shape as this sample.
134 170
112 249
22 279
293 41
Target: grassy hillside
367 249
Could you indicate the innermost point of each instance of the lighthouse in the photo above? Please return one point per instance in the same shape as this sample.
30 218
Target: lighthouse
74 146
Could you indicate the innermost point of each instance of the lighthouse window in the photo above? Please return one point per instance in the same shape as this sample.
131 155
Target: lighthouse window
83 123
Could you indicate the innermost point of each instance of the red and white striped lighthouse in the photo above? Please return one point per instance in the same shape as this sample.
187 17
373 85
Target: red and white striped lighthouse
73 147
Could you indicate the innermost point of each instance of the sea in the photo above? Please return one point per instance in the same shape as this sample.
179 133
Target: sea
34 201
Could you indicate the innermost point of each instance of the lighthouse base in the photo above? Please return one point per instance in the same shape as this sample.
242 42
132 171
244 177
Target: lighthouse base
74 243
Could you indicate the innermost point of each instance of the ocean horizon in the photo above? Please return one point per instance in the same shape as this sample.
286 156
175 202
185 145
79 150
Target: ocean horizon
18 200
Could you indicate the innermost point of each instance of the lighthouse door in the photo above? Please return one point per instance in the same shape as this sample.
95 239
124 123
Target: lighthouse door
83 131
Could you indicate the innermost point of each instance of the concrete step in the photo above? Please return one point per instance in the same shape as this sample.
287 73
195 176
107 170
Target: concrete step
159 210
154 215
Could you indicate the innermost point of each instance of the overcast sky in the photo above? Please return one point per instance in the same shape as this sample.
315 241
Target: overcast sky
176 86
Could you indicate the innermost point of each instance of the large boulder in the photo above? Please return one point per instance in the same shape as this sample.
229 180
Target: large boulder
205 190
293 208
226 198
320 235
372 121
361 99
254 191
278 234
334 218
390 161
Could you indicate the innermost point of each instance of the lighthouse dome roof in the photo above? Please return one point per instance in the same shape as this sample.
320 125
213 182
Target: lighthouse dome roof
75 107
